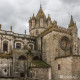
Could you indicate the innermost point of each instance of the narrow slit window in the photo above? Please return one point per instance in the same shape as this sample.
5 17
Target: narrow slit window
59 67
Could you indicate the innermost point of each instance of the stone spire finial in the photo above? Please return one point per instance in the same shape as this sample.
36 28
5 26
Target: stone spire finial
71 22
0 26
49 18
33 14
33 17
40 5
30 19
25 31
11 28
48 15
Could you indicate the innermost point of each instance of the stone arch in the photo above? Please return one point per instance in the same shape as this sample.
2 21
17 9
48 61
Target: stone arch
18 44
31 46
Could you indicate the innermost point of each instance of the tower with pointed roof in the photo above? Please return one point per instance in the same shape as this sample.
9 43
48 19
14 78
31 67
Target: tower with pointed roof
39 23
74 32
72 24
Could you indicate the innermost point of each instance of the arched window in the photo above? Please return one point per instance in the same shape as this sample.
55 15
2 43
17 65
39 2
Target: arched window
36 58
5 46
22 57
18 45
31 46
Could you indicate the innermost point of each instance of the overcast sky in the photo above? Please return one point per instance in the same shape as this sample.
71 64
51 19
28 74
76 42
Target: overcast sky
16 13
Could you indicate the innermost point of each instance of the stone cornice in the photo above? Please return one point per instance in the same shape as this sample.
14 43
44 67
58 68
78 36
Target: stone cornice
54 28
67 56
16 35
38 28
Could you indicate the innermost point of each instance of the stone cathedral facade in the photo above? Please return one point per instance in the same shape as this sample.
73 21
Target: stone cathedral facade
50 52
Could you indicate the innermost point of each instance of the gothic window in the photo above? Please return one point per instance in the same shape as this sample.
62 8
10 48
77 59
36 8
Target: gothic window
5 46
31 46
22 57
59 67
18 45
37 32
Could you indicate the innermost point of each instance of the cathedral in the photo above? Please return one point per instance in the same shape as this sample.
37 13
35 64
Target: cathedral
50 52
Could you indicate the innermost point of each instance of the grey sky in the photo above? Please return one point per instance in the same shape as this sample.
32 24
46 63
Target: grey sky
16 13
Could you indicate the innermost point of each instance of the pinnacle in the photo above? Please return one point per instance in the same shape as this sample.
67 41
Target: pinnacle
71 21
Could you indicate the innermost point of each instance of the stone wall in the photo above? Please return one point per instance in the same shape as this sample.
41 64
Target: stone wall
12 38
40 73
76 68
69 68
51 48
17 79
65 72
5 67
79 46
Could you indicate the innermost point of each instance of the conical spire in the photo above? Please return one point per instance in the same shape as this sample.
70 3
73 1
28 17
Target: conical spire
0 26
40 6
40 13
33 16
49 18
30 19
11 28
71 22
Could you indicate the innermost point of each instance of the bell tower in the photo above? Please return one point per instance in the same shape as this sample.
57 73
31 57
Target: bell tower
38 23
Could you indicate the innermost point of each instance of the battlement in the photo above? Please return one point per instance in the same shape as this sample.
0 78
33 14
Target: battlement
16 34
63 29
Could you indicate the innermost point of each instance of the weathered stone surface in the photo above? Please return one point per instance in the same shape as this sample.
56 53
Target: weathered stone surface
50 52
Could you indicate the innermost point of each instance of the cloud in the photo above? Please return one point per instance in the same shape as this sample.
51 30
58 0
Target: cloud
73 2
16 13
